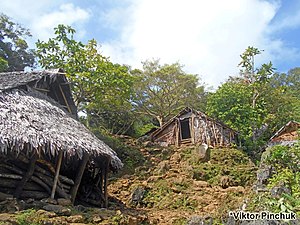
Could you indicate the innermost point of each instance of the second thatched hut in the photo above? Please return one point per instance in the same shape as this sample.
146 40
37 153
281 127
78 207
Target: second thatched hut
44 150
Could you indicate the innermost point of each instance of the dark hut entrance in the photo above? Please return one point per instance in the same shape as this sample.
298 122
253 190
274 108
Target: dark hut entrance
185 129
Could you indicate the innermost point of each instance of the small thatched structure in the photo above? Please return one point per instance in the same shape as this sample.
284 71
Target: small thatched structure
286 135
194 127
43 148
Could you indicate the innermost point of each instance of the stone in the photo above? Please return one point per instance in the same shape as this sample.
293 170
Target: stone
225 181
132 221
58 209
263 174
148 144
176 157
137 196
201 153
199 185
198 220
81 208
45 213
163 167
125 193
7 218
97 219
49 201
75 219
278 190
64 202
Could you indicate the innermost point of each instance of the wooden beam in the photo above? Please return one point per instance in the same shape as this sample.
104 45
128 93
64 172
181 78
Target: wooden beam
79 177
65 99
58 165
26 176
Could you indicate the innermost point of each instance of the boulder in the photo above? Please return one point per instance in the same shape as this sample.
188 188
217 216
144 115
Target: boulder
263 174
137 196
58 209
198 220
163 167
278 190
201 153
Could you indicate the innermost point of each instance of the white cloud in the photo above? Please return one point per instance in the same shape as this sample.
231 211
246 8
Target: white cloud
67 14
42 16
205 36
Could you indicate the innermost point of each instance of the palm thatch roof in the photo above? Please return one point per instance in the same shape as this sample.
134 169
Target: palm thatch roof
32 121
286 135
52 83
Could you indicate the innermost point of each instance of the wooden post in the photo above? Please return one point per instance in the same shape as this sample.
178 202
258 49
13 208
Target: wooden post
105 182
176 133
215 134
26 176
59 160
192 129
79 177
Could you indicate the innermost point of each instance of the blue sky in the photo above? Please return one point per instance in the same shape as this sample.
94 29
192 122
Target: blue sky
206 36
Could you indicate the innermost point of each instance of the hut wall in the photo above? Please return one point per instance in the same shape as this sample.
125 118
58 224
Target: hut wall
202 130
211 133
167 136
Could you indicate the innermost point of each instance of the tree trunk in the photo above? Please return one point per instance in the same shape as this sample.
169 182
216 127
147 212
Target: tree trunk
160 120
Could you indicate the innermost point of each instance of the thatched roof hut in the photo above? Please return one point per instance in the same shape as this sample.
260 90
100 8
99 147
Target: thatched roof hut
286 135
190 126
38 117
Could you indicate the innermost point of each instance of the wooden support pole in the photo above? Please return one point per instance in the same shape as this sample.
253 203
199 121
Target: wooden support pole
26 176
58 165
176 133
192 129
79 177
106 182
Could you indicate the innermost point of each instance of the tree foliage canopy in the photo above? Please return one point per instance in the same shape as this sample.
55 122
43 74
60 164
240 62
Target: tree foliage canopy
258 102
162 90
96 80
14 52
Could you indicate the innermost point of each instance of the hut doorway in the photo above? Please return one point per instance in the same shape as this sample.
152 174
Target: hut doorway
185 129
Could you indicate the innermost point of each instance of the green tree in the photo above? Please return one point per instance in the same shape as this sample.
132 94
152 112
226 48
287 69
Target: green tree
162 90
241 101
99 86
14 52
283 99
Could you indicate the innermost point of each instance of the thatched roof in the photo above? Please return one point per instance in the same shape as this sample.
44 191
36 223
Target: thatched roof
287 134
30 120
52 83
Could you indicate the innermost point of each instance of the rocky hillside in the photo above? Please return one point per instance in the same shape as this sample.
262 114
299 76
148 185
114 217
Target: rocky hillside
176 184
159 185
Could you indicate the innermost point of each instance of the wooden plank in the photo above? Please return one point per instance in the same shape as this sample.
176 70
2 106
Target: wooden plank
79 177
26 176
60 156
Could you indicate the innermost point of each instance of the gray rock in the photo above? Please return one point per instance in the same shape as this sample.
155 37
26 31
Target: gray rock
263 174
198 220
58 209
163 167
137 196
201 153
278 190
